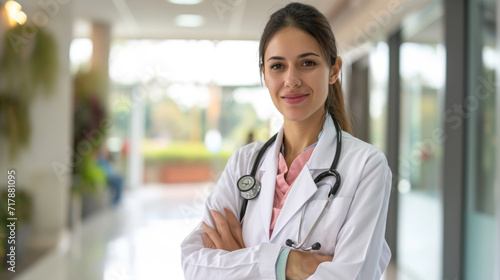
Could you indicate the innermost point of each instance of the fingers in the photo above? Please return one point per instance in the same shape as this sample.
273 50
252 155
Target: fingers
207 242
226 234
234 227
221 224
213 235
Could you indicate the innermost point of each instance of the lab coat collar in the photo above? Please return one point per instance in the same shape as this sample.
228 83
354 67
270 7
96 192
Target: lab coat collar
321 158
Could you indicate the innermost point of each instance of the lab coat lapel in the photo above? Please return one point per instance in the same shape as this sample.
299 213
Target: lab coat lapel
269 169
304 187
323 154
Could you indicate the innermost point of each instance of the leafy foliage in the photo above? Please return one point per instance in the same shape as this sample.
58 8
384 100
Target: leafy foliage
28 67
185 152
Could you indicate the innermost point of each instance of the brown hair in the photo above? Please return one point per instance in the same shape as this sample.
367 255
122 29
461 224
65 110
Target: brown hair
310 20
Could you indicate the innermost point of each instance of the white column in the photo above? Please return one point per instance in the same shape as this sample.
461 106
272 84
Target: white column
136 161
51 125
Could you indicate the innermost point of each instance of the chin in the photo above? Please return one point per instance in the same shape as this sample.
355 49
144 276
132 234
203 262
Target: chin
299 114
296 116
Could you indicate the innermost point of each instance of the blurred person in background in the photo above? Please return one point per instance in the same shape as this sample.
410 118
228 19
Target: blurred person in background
312 201
113 179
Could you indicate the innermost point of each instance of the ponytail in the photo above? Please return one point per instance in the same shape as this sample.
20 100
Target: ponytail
335 105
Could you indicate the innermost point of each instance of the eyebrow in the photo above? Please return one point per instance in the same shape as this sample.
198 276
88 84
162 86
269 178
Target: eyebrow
300 56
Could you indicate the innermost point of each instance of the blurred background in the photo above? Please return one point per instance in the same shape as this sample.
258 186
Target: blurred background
118 116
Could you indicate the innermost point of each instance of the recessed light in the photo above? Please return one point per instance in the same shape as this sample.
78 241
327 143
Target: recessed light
185 2
189 20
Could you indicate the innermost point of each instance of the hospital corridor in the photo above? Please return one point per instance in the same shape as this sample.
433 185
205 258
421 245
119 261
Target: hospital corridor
119 117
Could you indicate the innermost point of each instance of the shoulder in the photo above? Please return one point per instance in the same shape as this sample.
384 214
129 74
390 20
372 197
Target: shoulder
249 150
245 155
353 146
365 163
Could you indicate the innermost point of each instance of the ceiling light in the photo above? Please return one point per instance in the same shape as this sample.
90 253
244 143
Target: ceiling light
189 20
14 13
185 2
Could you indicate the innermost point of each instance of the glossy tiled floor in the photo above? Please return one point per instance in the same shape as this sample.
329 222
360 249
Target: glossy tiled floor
138 240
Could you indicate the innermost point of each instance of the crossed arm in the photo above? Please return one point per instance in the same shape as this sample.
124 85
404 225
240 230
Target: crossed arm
228 236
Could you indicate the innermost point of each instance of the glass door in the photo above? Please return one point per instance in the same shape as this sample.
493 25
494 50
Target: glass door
422 74
481 111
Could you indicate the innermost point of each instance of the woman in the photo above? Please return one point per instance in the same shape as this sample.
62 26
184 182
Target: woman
300 67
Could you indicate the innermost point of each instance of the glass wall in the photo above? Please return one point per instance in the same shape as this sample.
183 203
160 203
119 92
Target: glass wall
199 101
422 74
378 88
480 113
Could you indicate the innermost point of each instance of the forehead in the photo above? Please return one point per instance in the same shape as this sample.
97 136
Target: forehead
290 42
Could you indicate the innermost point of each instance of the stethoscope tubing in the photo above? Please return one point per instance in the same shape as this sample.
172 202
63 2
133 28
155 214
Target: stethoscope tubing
254 171
333 190
301 245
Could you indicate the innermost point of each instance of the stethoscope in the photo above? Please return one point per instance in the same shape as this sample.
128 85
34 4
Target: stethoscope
250 188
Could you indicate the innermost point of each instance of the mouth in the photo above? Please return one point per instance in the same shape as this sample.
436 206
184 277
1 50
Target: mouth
294 98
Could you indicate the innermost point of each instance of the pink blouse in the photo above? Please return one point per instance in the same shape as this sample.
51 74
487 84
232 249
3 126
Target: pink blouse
284 185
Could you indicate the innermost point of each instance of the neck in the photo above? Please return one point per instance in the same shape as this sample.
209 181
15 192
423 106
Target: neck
300 135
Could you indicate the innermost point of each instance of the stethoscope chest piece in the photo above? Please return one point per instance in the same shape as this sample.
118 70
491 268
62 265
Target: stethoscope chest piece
249 187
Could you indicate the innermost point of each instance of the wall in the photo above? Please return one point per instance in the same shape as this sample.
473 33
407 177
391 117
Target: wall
51 122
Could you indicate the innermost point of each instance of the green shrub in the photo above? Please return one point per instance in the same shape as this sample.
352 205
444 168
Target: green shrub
183 152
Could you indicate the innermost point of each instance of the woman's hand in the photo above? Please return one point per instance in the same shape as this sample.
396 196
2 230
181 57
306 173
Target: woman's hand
227 234
301 265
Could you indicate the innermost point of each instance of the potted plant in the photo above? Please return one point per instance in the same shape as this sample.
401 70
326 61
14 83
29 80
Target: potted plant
89 133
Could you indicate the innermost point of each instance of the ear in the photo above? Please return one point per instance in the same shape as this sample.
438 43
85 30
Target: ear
335 70
262 69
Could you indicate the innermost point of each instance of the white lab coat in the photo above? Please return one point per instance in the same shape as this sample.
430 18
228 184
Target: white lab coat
352 229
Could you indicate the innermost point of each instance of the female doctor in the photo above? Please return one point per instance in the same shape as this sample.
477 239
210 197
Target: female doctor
273 235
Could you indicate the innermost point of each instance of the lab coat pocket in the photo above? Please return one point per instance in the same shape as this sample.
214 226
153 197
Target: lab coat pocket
329 226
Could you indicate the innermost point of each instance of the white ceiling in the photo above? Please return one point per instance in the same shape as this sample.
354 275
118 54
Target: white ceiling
155 18
351 20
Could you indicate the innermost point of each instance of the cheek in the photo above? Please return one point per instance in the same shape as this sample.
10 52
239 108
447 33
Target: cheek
319 83
271 85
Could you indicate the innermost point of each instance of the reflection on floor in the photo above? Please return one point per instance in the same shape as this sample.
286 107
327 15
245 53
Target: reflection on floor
138 240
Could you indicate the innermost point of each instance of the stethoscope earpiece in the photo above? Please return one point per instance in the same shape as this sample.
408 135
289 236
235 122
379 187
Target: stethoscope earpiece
315 246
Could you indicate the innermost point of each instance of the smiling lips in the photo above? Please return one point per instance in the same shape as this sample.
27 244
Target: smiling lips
294 98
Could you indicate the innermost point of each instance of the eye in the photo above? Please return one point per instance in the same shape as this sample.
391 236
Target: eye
309 63
276 66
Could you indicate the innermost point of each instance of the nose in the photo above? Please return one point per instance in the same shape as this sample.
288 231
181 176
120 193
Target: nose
292 78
